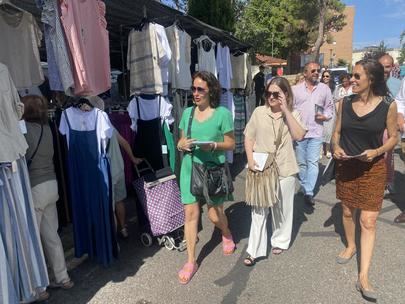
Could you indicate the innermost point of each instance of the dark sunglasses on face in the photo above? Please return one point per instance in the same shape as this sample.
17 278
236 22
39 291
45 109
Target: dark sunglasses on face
356 76
200 90
315 70
269 93
326 76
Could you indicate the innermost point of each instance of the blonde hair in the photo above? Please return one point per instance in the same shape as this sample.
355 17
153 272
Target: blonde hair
299 78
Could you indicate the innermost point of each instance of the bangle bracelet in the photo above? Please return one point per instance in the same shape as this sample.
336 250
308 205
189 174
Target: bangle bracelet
214 147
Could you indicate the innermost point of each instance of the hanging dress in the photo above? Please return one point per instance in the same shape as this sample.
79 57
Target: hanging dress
148 139
90 186
23 270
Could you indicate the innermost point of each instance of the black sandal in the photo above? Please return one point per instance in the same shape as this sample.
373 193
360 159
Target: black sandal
249 261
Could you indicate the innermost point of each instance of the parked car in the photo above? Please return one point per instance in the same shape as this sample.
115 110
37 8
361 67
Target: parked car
336 72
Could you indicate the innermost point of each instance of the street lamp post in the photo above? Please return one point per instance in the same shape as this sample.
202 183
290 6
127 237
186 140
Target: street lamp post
332 55
330 58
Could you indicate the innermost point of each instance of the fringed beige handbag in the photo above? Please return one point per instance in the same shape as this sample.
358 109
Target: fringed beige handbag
263 187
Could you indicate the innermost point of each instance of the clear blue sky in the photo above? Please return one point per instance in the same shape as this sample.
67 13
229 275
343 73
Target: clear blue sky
376 21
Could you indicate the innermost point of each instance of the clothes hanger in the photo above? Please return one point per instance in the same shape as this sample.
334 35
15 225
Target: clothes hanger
205 42
237 53
178 24
10 8
202 38
144 20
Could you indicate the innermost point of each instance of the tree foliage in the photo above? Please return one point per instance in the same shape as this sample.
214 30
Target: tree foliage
330 19
218 13
342 62
401 58
289 26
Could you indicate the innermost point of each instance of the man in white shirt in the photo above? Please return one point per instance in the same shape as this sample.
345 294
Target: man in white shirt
400 100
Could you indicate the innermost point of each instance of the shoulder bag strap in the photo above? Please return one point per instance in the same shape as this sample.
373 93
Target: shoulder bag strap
279 134
190 121
36 149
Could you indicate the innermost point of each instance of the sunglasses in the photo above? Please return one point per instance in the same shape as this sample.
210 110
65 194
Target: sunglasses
200 90
268 94
315 70
326 76
356 76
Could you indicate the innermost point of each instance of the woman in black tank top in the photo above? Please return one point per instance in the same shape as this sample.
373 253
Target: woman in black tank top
360 167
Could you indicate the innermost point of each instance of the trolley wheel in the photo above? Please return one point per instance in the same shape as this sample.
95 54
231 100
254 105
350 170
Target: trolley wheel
169 243
146 239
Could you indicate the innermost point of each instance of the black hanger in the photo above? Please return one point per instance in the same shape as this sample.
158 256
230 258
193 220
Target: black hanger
237 53
9 8
178 24
141 24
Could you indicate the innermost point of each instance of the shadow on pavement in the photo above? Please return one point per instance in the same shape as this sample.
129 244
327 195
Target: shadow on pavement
238 165
238 215
238 277
335 219
398 197
300 209
90 277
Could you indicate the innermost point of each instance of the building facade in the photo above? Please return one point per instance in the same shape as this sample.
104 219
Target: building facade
359 54
341 46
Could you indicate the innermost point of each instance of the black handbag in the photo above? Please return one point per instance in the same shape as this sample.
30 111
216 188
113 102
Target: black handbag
209 179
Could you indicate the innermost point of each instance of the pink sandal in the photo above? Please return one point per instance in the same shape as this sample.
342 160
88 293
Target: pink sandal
228 245
187 272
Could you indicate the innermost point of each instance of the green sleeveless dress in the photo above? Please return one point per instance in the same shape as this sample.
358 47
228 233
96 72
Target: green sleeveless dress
212 129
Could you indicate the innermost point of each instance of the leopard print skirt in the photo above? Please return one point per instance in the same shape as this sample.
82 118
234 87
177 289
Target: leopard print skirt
361 184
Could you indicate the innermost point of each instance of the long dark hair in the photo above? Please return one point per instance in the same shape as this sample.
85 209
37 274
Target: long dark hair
284 85
214 88
35 109
375 72
331 82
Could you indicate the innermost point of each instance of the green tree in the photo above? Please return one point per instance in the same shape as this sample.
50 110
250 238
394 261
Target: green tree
274 26
218 13
284 27
342 62
401 58
330 19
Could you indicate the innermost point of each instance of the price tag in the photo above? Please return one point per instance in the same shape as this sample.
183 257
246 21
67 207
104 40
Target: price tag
14 166
23 126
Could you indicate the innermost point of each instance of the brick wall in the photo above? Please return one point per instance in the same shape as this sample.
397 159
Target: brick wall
343 46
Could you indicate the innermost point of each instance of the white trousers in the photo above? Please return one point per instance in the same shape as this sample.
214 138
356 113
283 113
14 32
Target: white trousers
282 220
45 196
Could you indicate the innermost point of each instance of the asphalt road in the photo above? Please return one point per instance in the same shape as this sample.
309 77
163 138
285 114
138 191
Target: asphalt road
306 273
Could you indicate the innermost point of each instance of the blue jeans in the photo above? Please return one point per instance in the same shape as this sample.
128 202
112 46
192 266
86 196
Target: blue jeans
307 152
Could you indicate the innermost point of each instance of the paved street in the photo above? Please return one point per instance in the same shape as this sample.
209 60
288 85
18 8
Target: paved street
306 273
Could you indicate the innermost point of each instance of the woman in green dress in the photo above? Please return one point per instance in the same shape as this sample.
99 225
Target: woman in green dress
214 124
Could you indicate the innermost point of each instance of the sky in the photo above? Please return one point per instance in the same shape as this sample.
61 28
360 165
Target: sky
376 21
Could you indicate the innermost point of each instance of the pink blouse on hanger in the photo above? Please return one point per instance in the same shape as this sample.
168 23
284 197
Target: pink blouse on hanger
85 28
